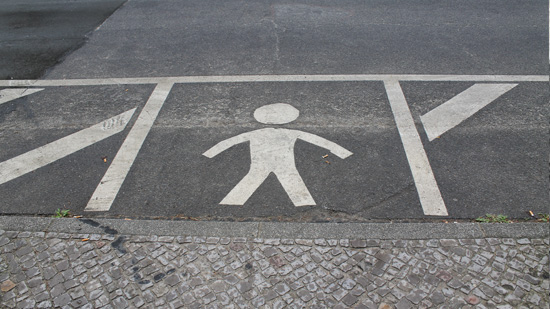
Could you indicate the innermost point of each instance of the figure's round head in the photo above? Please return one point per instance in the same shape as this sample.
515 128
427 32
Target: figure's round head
278 113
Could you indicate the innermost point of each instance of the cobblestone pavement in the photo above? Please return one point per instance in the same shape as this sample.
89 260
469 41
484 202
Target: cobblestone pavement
43 270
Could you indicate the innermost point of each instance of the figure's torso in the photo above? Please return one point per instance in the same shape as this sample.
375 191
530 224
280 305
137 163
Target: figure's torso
273 147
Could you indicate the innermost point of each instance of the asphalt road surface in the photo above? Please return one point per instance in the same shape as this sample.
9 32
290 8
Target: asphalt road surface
35 35
399 110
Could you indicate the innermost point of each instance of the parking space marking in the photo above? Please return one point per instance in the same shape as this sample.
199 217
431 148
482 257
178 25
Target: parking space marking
449 114
426 185
108 188
44 155
424 179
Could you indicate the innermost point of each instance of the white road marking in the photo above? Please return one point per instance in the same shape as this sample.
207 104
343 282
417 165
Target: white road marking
273 78
108 188
428 191
63 147
272 151
449 114
7 95
278 113
426 185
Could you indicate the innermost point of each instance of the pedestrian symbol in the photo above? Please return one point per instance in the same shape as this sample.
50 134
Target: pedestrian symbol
272 151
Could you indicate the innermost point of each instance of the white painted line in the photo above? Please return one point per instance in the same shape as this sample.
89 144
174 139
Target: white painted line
7 95
272 78
108 188
272 151
426 185
449 114
63 147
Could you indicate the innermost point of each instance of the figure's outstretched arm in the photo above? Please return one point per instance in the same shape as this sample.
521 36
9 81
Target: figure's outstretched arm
225 144
336 149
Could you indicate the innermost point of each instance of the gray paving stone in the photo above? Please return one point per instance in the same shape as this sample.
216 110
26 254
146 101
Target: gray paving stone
437 298
62 300
24 251
171 295
416 296
455 283
4 240
176 304
524 284
223 299
358 243
172 280
318 273
403 304
44 304
350 299
339 294
80 302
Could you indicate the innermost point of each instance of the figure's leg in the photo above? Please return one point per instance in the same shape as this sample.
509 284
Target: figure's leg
244 189
295 187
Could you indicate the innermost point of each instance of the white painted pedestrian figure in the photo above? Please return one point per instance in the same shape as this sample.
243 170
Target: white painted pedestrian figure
272 151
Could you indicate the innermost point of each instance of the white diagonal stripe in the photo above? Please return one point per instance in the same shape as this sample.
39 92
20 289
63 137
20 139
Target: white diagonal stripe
63 147
7 95
449 114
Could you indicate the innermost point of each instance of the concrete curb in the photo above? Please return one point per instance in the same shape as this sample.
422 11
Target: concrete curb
276 229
